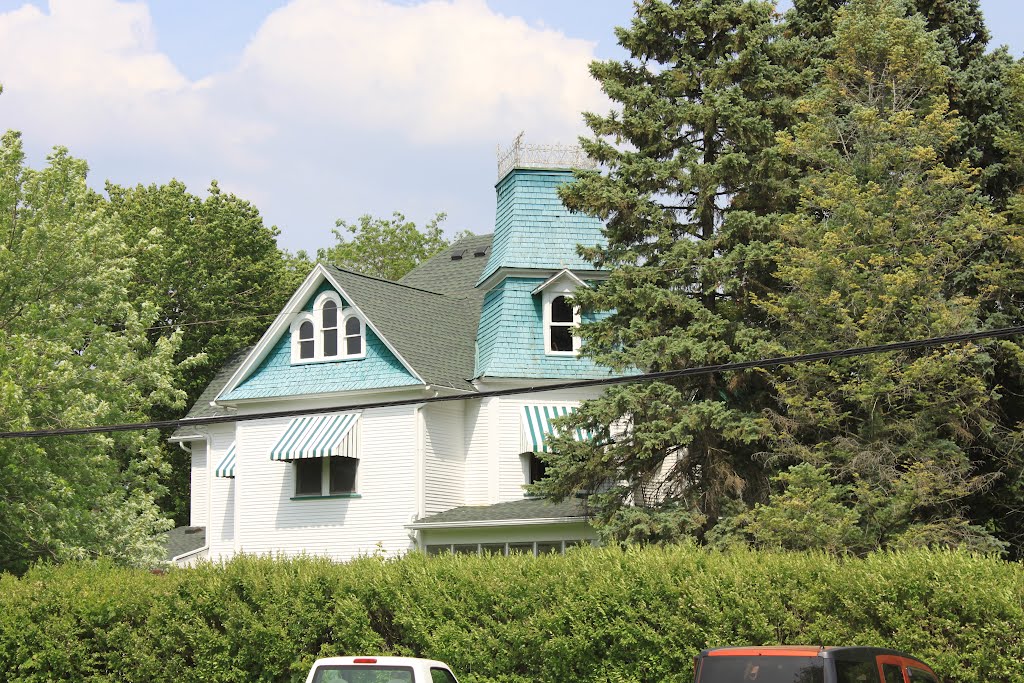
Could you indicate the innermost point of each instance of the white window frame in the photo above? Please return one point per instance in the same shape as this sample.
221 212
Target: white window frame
325 480
547 300
316 317
343 336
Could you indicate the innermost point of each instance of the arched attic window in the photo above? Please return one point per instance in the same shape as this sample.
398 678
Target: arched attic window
329 328
354 332
331 332
307 342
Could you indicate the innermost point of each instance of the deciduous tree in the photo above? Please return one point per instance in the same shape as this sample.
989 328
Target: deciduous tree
74 352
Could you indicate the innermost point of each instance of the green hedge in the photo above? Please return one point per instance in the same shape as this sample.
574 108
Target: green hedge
591 615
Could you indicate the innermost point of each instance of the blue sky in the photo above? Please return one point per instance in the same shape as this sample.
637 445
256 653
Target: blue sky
315 109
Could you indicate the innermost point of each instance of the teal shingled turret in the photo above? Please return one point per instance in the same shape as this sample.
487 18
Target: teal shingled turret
533 229
535 237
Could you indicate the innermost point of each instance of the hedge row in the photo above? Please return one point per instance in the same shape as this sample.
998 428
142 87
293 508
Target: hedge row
591 615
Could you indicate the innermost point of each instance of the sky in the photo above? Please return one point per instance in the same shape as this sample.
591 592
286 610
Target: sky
316 110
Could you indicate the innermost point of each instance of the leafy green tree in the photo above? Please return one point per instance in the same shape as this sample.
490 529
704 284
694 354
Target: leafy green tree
74 352
691 180
387 248
217 278
890 243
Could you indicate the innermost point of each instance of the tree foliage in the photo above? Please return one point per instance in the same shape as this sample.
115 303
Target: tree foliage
780 185
387 248
217 279
685 199
889 244
74 352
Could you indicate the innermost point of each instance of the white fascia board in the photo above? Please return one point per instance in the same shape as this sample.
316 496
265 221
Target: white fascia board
336 395
495 523
502 273
566 274
369 323
281 323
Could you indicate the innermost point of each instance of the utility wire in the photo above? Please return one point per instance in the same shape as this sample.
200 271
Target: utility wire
536 389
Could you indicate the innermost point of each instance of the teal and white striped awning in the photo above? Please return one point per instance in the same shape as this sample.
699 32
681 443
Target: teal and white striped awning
319 436
226 468
537 427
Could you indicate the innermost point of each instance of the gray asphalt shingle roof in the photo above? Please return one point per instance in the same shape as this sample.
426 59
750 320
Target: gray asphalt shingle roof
184 539
525 509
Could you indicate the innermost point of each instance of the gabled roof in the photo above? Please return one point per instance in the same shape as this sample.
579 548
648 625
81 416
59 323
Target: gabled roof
563 274
455 270
433 332
428 320
183 539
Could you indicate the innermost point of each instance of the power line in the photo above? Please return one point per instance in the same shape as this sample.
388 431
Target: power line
579 384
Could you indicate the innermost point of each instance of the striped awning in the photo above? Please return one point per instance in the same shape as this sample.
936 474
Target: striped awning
226 468
537 428
318 436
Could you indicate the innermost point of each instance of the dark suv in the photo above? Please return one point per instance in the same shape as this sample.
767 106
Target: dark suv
809 664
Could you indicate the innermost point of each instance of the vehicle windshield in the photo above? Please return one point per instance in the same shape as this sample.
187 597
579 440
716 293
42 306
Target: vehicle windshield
761 668
362 673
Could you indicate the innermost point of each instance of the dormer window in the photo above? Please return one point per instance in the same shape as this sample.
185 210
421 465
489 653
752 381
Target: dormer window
330 332
560 323
563 320
560 317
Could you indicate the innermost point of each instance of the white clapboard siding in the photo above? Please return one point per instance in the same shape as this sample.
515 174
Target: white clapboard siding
199 485
444 456
477 468
270 522
220 532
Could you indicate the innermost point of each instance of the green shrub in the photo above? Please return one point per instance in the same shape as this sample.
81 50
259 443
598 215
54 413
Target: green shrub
591 615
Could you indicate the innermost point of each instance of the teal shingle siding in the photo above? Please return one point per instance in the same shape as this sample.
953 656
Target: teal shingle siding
533 229
511 337
276 376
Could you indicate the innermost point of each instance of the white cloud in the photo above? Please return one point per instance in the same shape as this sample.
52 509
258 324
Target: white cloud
434 72
333 108
88 73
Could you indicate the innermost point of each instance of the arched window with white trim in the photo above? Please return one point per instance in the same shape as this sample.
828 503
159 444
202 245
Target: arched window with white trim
354 333
329 328
307 341
560 322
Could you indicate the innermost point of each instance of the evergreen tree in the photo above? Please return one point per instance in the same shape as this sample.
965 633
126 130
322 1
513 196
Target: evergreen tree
893 240
691 178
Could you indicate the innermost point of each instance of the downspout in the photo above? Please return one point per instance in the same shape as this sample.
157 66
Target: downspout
420 471
209 476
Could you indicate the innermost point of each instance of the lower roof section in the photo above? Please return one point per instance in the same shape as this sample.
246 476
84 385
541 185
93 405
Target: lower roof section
183 540
527 511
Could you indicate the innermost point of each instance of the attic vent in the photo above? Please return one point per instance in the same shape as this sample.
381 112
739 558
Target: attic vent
458 254
481 251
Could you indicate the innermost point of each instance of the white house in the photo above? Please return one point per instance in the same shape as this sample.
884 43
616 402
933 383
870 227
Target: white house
342 481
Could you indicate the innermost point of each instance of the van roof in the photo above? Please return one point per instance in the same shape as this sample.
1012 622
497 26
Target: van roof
826 651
